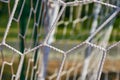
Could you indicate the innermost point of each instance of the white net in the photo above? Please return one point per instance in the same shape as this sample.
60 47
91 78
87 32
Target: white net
59 39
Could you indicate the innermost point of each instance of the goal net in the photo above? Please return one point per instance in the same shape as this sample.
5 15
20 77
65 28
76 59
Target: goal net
59 39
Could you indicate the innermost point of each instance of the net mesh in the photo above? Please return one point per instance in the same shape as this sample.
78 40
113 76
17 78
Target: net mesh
61 39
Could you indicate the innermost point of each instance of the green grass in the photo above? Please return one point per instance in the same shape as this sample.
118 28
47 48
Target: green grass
13 34
80 32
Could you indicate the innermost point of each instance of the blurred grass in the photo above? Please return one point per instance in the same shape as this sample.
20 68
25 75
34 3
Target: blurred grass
81 31
13 34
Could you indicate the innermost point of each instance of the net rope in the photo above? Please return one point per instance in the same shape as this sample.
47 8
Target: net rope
42 27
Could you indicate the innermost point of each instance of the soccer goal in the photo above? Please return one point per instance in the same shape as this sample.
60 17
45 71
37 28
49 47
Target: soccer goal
59 39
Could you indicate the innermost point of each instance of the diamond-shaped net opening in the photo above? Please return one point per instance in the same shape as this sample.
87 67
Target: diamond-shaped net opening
9 62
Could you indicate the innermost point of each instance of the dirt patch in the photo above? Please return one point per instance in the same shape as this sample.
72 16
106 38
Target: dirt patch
111 67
